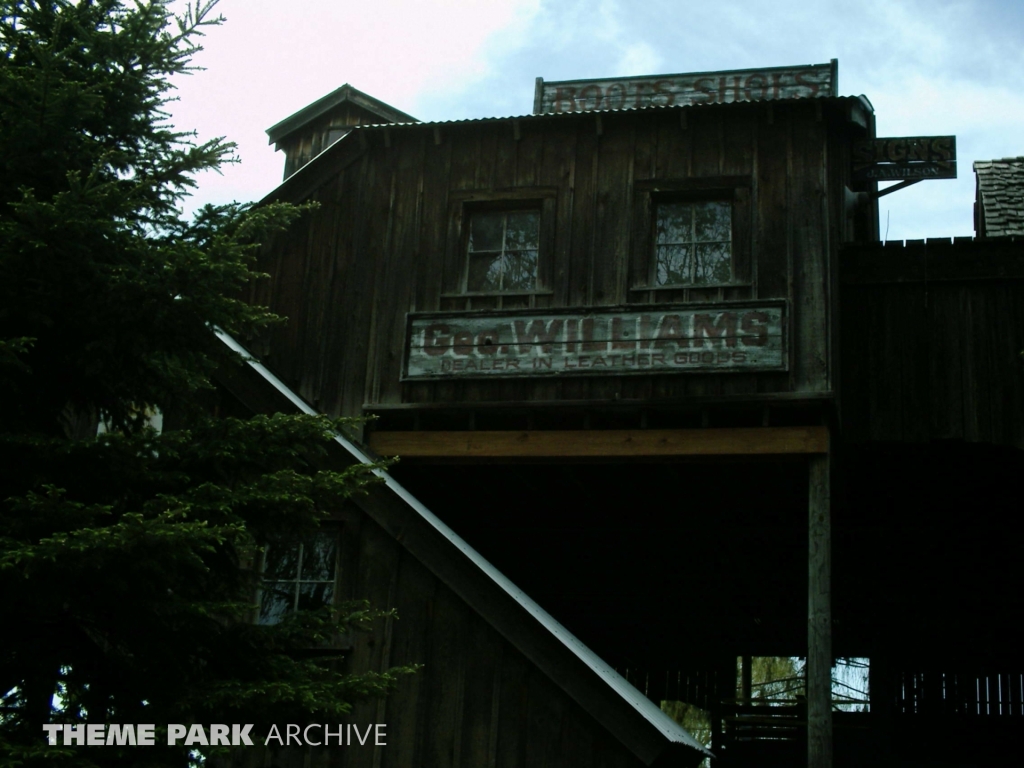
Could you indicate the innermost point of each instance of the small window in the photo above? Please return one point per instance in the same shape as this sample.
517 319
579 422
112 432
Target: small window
298 576
693 243
502 251
334 134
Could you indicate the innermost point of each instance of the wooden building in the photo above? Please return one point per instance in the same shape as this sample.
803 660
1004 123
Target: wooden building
643 351
314 128
933 431
502 684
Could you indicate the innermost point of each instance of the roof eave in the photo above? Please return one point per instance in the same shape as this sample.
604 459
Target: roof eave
861 101
296 121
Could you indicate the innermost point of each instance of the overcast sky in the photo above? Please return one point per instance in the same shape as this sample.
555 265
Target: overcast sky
930 67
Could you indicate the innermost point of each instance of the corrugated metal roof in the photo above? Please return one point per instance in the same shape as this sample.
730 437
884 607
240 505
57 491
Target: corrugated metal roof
862 100
1001 195
302 177
672 731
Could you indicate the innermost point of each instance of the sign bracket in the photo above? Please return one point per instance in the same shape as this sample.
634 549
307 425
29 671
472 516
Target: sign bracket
895 188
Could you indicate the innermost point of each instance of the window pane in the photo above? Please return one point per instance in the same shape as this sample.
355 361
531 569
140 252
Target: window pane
281 561
714 263
523 231
693 243
673 266
276 600
318 557
503 251
313 596
336 133
713 221
520 271
674 223
484 272
485 232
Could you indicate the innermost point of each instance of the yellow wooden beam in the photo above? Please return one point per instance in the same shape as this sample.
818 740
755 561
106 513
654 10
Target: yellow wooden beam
753 441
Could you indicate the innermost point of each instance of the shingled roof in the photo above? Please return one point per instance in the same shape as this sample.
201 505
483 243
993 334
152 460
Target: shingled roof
999 210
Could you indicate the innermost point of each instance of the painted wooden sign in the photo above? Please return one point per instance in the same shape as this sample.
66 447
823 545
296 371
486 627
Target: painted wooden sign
908 158
682 90
610 342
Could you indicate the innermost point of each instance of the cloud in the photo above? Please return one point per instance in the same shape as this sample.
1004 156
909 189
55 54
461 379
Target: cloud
929 66
639 59
271 59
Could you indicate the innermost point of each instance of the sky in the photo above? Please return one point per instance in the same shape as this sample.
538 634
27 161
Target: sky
929 67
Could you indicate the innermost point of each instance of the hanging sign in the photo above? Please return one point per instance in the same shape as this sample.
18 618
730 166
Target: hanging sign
611 342
805 81
905 159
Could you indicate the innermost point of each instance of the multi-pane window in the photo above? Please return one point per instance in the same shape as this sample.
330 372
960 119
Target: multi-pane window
693 243
502 251
298 576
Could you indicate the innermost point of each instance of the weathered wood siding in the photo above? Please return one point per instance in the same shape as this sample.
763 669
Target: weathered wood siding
476 702
385 241
932 341
313 138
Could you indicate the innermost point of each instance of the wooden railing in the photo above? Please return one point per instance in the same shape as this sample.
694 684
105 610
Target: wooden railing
760 722
935 692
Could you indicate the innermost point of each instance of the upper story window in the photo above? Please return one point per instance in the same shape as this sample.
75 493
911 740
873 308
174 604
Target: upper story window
298 576
500 248
693 243
691 234
502 251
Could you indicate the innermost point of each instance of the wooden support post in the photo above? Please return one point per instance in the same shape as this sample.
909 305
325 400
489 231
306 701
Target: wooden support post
883 700
819 616
723 693
747 680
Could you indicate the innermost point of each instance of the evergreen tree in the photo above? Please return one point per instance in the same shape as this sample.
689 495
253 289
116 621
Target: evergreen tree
128 559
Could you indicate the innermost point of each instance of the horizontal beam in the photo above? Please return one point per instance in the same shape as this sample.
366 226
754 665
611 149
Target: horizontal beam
932 261
754 441
786 399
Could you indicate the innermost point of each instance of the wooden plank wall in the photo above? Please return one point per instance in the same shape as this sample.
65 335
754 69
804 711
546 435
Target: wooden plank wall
476 702
302 146
932 342
382 244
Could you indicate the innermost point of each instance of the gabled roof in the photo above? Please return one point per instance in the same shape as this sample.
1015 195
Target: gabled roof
385 112
638 723
306 179
1000 197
